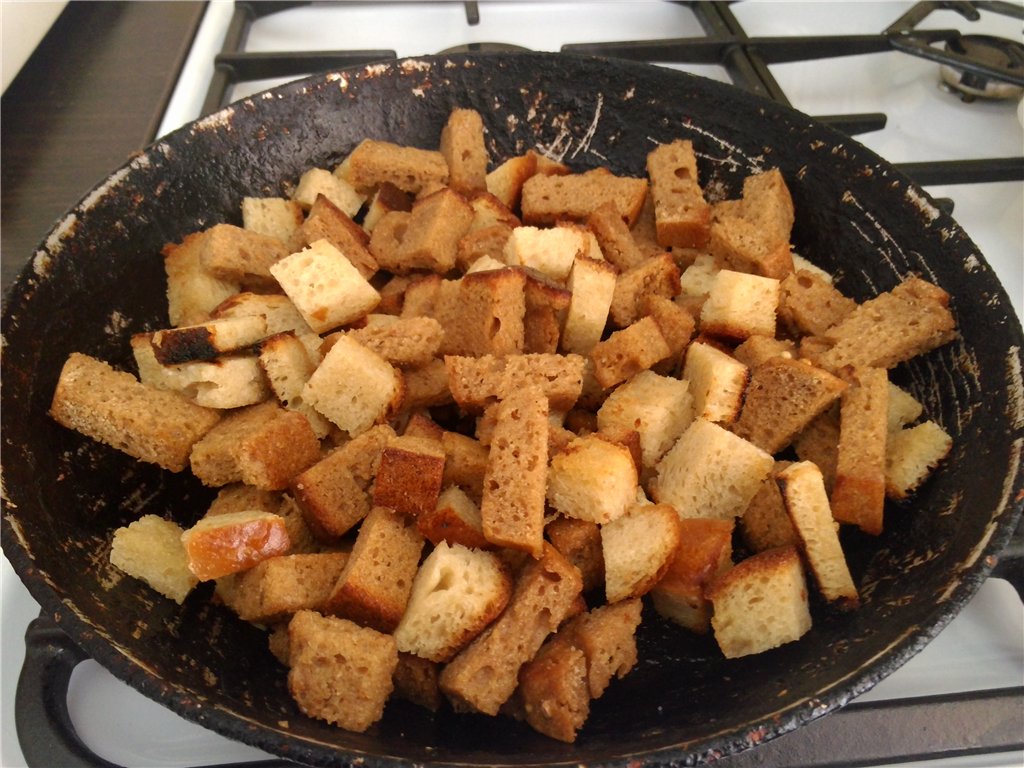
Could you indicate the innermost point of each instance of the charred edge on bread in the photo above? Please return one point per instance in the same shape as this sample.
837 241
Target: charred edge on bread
183 346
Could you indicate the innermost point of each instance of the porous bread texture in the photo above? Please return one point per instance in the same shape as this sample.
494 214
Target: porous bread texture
462 145
710 473
482 313
718 383
911 456
477 382
550 251
319 181
431 239
740 305
326 221
614 238
456 593
579 542
150 549
628 351
232 253
484 675
410 169
638 548
415 680
682 216
287 366
273 216
592 284
546 302
765 524
383 200
658 407
409 476
409 342
325 287
803 491
592 479
506 181
904 408
456 519
113 407
354 387
760 604
657 276
192 291
548 198
810 305
339 672
278 587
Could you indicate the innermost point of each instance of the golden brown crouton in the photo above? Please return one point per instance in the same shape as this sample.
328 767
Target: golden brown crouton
547 198
682 217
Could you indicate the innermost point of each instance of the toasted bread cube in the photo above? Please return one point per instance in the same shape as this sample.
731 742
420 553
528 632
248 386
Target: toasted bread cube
783 397
374 588
614 238
426 386
387 236
858 494
579 541
911 319
550 251
273 216
233 381
659 408
628 351
506 181
150 549
512 505
675 323
592 284
696 280
339 672
760 604
466 462
703 554
803 491
758 349
740 305
810 305
234 541
638 549
752 234
415 680
710 473
592 479
326 221
457 592
548 198
207 340
553 692
232 253
607 637
409 476
477 382
718 383
456 519
409 342
546 302
904 408
482 314
819 443
682 216
658 276
765 523
462 145
281 586
410 169
489 211
325 287
280 314
263 445
911 456
192 291
354 387
319 181
385 199
484 675
482 250
286 363
112 407
431 240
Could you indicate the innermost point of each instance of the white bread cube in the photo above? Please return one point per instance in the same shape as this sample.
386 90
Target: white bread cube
760 604
911 455
325 287
697 279
192 291
551 251
740 305
904 408
318 181
150 549
354 387
274 216
717 382
659 408
592 479
638 549
287 365
803 491
592 283
457 592
710 473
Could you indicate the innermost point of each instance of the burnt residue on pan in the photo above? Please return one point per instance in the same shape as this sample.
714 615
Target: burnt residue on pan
99 277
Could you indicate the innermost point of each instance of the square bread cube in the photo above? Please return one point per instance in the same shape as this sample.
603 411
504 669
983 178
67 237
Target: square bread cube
339 672
761 603
456 519
659 408
319 181
409 476
462 145
550 251
718 383
592 479
431 241
911 456
682 216
274 216
326 221
231 542
592 284
192 291
354 387
327 289
629 351
281 586
240 255
638 548
150 549
740 305
710 473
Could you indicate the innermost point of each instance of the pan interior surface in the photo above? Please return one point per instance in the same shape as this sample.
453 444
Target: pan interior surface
99 277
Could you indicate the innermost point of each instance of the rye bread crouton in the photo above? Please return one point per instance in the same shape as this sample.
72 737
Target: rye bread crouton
658 276
704 553
150 549
385 199
506 181
638 549
415 681
478 382
409 476
456 519
410 169
765 523
113 407
457 592
579 542
546 302
462 145
819 443
710 473
760 604
373 589
552 696
482 314
615 238
752 234
682 216
485 674
628 351
432 232
287 366
232 253
326 221
279 587
409 342
339 672
803 492
548 198
810 305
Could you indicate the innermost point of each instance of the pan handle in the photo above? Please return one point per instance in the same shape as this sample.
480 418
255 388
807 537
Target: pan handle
45 730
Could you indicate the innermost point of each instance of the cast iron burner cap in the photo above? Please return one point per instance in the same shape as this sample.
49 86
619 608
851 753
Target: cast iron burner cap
986 49
484 48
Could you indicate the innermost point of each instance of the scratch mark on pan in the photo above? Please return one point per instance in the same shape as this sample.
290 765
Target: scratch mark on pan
584 143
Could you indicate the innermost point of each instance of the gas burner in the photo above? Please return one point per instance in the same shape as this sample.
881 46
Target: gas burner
484 48
995 51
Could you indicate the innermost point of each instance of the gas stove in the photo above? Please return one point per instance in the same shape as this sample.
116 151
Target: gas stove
868 68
